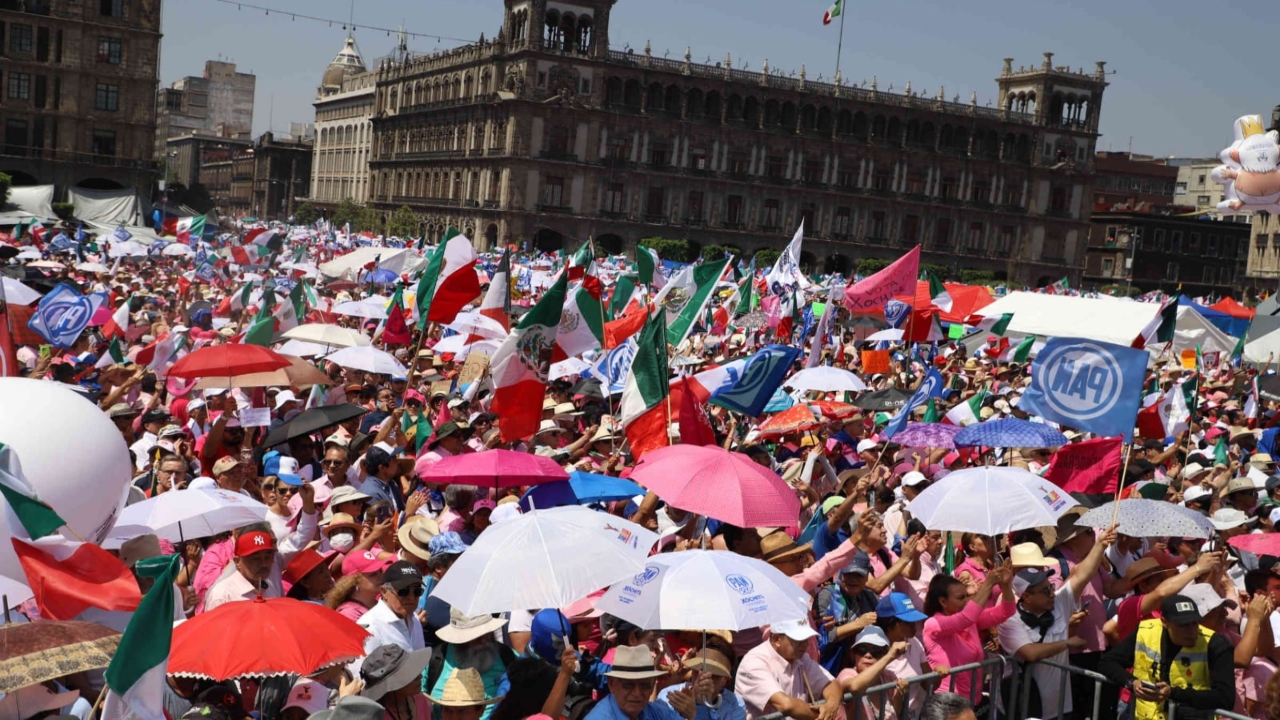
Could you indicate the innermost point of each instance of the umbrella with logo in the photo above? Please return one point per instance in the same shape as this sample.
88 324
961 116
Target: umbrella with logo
544 559
887 399
1010 433
990 500
705 589
1142 518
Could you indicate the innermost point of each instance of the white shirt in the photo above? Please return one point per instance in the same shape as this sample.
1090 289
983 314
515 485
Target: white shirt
385 628
142 450
197 430
233 586
1014 633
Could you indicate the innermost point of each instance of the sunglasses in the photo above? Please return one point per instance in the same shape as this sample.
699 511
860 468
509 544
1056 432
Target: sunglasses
415 591
284 488
875 652
332 463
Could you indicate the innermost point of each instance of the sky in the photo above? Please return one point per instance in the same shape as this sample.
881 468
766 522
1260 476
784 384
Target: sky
1182 71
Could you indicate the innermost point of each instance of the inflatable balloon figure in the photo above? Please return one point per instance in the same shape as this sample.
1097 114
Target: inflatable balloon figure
1250 173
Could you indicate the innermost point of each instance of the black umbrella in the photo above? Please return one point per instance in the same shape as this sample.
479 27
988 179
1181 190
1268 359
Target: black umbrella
309 421
589 387
887 399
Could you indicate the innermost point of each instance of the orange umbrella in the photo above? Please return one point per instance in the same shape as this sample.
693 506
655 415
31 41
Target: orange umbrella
833 410
797 418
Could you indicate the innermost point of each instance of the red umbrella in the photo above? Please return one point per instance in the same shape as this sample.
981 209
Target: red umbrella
228 360
834 410
794 419
723 485
492 468
263 638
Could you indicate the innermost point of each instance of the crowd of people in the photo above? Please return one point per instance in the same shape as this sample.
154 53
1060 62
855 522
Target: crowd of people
905 620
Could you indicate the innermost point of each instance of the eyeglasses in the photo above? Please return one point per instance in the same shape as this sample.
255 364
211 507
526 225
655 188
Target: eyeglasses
333 463
1043 590
875 652
415 590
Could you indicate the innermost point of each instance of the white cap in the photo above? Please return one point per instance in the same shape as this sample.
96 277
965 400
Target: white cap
1205 597
1195 492
212 392
1228 518
865 445
195 404
180 329
797 630
1275 516
872 636
202 483
285 396
308 695
914 478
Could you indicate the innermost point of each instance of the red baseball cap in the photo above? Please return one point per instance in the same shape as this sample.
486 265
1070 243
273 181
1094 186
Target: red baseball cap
252 542
304 562
364 562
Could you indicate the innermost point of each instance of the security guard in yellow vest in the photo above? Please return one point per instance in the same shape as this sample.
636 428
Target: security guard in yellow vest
1173 658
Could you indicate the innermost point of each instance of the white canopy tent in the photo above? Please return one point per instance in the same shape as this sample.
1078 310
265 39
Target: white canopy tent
32 201
110 207
348 267
1105 319
1193 331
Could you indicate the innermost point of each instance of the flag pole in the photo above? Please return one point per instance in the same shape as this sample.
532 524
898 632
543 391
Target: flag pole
840 43
1124 472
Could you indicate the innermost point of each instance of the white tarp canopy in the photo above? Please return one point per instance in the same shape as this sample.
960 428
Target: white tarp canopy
1192 331
144 235
1263 349
348 267
33 200
110 207
1107 319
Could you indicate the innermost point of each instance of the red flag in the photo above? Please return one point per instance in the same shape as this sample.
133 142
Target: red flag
240 255
396 332
68 578
1091 466
695 426
618 331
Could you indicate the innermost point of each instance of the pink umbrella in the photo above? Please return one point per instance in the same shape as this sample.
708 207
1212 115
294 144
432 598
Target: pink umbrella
1264 544
727 486
491 469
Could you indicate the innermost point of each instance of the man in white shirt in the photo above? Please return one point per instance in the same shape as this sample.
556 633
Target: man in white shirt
1040 632
152 421
392 620
255 557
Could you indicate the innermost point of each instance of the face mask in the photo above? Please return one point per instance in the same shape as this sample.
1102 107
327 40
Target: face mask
342 542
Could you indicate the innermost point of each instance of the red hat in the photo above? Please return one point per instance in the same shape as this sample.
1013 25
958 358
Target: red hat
252 542
364 562
303 563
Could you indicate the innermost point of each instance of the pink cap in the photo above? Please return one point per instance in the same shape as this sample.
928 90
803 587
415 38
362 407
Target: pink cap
485 504
366 561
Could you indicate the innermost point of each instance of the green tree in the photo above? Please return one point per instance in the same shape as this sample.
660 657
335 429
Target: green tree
667 249
976 277
716 252
6 182
64 210
305 214
404 223
871 265
348 211
766 257
942 272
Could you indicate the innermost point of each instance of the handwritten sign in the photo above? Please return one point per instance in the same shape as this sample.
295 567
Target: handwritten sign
255 417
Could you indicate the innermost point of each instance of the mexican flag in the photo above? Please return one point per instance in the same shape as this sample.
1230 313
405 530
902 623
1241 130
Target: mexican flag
1060 288
136 675
302 297
967 412
184 228
449 281
649 267
686 295
497 301
833 12
644 411
582 321
997 324
264 239
69 577
113 356
1166 417
1220 456
25 509
119 322
931 414
938 294
745 290
263 330
521 364
1162 326
1020 352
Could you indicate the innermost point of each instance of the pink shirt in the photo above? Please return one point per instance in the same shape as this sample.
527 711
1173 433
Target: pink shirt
764 672
215 559
870 705
953 640
352 610
826 568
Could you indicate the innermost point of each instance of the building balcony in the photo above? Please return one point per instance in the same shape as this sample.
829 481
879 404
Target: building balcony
613 214
475 152
558 155
490 204
615 162
1059 213
658 218
770 228
695 222
471 203
732 225
556 209
876 240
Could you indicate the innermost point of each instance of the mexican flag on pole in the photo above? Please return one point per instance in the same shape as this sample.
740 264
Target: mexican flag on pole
967 412
649 267
746 289
262 331
997 324
136 675
113 356
833 12
938 294
25 510
450 280
1020 352
686 295
521 365
644 410
119 322
1167 417
582 321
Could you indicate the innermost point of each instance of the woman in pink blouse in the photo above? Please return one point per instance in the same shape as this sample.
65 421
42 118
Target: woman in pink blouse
979 559
951 634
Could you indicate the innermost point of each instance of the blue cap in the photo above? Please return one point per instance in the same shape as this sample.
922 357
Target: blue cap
446 543
399 377
283 467
859 565
898 605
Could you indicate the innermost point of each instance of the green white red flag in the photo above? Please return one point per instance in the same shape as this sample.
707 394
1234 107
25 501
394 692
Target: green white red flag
523 361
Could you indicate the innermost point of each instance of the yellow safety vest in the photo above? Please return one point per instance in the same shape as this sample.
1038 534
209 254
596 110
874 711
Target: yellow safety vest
1190 668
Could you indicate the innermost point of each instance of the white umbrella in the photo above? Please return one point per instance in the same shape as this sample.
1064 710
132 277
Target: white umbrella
825 379
15 592
46 264
185 514
991 501
367 308
92 267
1139 517
302 348
331 335
544 559
176 249
705 589
567 367
128 248
368 359
888 335
16 293
480 325
28 253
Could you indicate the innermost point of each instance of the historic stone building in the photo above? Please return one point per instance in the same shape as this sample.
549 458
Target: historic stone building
77 92
544 136
344 130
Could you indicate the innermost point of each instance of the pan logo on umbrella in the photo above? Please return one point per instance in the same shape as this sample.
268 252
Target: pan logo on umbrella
741 583
1083 380
649 575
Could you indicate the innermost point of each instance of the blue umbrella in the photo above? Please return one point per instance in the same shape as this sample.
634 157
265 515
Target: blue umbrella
381 276
580 489
1010 433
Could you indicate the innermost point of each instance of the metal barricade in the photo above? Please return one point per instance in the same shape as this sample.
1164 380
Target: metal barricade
1226 714
879 696
1021 691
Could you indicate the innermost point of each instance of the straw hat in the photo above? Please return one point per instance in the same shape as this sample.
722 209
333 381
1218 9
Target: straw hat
779 545
633 663
341 521
1028 555
463 628
464 688
416 533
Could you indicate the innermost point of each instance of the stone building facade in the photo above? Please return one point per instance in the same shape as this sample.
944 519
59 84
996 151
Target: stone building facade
77 87
218 102
343 130
544 137
1172 253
